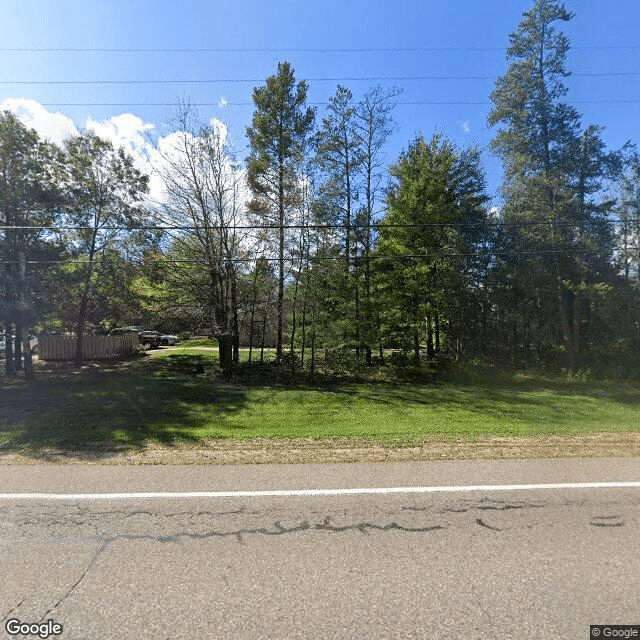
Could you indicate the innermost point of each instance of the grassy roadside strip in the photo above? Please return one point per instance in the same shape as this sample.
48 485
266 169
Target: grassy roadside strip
335 450
170 413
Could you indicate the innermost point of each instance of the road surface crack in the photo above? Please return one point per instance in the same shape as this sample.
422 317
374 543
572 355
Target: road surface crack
12 610
93 561
487 526
607 521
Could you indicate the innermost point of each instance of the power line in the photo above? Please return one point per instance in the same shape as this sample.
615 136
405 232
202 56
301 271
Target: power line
292 50
323 258
245 80
319 104
332 79
377 225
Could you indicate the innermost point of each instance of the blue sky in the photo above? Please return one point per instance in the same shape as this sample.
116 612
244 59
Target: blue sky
460 42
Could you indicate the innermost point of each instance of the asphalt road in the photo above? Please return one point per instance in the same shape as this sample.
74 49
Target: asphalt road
471 564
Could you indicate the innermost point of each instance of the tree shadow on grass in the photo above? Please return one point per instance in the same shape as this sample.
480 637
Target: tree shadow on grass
184 363
101 413
105 409
511 408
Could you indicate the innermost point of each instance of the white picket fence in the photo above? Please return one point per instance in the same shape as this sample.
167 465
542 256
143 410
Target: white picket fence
64 347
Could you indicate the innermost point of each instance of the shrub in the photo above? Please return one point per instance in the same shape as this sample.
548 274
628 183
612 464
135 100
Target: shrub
343 361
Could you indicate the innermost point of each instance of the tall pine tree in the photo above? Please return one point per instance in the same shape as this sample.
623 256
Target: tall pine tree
555 219
278 137
435 219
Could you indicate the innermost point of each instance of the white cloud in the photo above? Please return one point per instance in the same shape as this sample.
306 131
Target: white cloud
220 128
124 130
161 157
128 131
466 127
52 126
223 102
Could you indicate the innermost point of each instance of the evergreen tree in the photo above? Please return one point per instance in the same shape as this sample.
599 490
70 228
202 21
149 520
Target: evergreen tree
338 156
279 139
436 210
553 180
374 126
628 212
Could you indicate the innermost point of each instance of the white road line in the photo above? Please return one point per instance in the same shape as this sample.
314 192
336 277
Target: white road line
319 492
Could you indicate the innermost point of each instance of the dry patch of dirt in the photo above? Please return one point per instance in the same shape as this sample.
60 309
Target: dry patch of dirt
302 450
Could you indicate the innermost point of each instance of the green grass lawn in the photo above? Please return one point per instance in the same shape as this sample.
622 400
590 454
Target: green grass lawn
198 342
165 401
208 349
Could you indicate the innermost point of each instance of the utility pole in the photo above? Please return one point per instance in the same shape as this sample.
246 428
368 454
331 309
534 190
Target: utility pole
27 359
10 365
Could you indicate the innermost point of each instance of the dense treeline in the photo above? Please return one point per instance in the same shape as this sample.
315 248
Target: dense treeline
315 243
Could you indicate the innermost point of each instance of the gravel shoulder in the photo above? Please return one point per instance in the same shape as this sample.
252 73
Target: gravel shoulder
304 451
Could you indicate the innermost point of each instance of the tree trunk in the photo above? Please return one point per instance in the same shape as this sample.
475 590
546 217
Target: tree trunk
236 327
253 310
416 348
10 365
225 350
367 287
483 334
280 263
250 337
82 314
304 329
565 325
17 347
84 303
577 321
356 291
264 330
313 351
293 315
29 373
430 353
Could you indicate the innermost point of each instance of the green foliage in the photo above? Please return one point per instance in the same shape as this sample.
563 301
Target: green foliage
102 192
436 215
29 170
553 285
556 242
341 362
174 403
628 211
278 138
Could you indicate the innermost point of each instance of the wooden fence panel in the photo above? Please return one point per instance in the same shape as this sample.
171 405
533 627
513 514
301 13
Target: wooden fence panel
64 347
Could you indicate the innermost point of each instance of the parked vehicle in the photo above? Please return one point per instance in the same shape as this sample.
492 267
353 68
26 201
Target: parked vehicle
33 343
149 339
168 339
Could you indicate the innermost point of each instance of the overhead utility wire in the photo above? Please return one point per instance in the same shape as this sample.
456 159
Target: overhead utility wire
332 79
320 104
487 254
291 49
418 225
